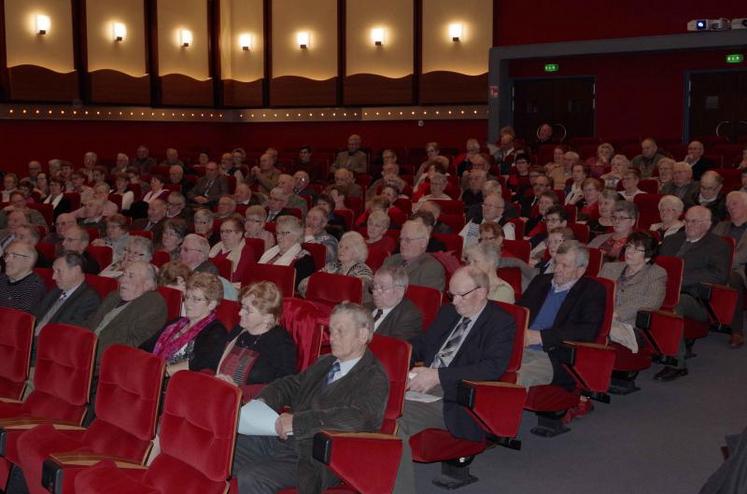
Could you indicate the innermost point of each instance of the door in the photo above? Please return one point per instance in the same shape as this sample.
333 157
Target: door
718 104
564 103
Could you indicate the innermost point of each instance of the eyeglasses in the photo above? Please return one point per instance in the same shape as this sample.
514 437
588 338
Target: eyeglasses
461 295
188 249
253 220
193 298
229 231
133 253
282 234
15 255
408 240
621 218
379 288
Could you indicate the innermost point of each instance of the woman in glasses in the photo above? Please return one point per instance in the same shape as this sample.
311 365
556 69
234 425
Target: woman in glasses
233 247
623 222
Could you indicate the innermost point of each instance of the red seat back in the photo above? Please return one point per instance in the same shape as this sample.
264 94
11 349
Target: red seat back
173 299
142 233
732 248
450 207
347 217
394 355
256 246
580 231
283 276
519 227
453 242
74 199
454 221
376 257
595 262
318 252
46 275
609 309
224 266
512 276
46 211
16 335
102 284
521 319
648 208
427 299
334 288
228 313
102 254
47 250
160 257
521 249
306 324
674 267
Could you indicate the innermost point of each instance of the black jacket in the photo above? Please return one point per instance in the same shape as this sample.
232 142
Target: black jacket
75 310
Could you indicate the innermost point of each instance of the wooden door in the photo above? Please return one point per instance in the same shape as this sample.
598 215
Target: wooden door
718 104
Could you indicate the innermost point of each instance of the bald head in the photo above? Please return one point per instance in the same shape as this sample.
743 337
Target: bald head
697 222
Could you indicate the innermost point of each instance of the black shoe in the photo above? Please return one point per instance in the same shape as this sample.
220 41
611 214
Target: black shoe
670 374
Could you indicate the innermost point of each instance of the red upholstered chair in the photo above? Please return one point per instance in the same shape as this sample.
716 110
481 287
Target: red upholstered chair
580 231
520 249
46 249
648 207
102 284
283 276
347 216
427 299
46 275
590 365
355 203
16 335
46 210
519 226
512 276
196 434
306 324
257 247
228 313
173 299
495 405
160 257
376 257
572 212
454 221
451 207
224 267
595 262
125 423
142 233
93 233
101 254
649 185
318 252
453 242
331 289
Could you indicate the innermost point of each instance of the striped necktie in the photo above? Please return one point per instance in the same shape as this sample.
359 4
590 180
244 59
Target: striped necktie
51 312
332 373
449 349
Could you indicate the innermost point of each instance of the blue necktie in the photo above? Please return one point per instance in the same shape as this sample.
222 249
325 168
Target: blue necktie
332 372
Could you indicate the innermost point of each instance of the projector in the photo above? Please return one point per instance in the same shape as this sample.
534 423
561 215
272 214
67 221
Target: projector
721 24
740 23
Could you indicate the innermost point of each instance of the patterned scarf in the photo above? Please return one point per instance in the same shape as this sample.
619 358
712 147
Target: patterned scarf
172 339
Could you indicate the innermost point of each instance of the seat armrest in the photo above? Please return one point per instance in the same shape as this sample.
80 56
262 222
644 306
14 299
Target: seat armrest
590 364
25 423
664 330
722 301
496 405
59 470
348 454
89 459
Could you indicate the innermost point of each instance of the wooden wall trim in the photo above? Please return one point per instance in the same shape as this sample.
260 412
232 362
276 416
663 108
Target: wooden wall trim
151 49
267 32
182 90
34 83
214 51
291 90
342 22
374 89
113 87
80 46
4 82
444 87
239 94
417 59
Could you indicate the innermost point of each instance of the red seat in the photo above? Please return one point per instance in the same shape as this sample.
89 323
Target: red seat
16 335
595 261
454 221
519 227
649 185
318 252
306 324
580 231
512 276
228 313
347 217
160 257
46 275
332 289
257 247
452 241
173 299
427 299
355 203
197 434
47 250
142 233
102 284
74 199
450 207
93 233
125 423
521 249
46 210
101 254
648 207
224 266
283 276
376 257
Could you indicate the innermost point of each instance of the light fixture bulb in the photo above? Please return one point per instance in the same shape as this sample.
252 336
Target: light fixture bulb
245 41
43 23
377 36
185 37
302 38
119 31
455 31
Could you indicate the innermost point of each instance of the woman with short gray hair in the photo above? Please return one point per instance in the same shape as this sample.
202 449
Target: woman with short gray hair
670 211
485 256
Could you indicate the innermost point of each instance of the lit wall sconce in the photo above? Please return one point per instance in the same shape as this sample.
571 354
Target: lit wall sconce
377 36
185 37
302 38
246 41
43 23
455 32
119 31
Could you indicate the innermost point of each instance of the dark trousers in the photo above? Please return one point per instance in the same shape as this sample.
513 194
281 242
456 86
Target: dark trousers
264 464
737 282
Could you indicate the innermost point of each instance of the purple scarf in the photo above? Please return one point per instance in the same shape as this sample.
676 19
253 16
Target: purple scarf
171 341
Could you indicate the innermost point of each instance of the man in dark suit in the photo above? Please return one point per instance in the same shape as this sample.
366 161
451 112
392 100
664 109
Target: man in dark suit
697 161
154 222
73 301
76 240
563 306
709 195
344 391
209 188
393 314
471 338
707 260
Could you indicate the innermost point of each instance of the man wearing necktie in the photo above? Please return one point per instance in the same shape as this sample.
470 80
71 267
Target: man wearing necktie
470 339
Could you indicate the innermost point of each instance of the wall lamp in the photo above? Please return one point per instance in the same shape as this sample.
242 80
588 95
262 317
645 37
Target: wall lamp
455 32
119 31
246 41
302 38
185 37
43 23
377 36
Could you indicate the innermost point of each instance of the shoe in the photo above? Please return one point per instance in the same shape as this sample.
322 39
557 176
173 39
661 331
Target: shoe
736 340
583 408
670 374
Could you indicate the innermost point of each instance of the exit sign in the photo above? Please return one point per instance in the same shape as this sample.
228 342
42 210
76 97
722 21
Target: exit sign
735 58
553 67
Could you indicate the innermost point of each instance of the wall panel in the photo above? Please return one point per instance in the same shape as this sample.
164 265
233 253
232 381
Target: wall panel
242 71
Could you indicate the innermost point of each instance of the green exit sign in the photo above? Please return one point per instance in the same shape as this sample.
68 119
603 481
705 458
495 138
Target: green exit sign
553 67
735 58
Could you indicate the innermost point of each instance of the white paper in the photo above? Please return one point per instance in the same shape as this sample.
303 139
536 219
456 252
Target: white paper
257 419
421 397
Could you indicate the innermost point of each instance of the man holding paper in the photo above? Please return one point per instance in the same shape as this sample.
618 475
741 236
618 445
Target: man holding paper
344 391
471 338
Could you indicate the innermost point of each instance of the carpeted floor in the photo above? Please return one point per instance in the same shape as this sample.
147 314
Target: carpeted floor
664 439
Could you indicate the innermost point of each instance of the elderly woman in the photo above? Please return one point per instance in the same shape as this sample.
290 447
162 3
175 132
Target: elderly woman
376 228
232 247
117 236
203 223
665 166
351 261
620 165
40 189
603 223
599 163
554 239
485 256
631 179
157 189
670 211
121 187
536 224
288 251
259 349
588 207
623 222
438 183
639 284
174 231
196 341
254 225
316 222
56 197
136 249
174 274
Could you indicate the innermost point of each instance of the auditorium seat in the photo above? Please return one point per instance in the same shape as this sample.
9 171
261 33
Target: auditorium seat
196 434
452 241
142 233
46 210
454 221
318 252
228 313
347 217
101 254
46 275
125 423
173 299
224 267
580 231
520 249
648 209
376 257
16 336
332 289
283 276
451 207
306 325
102 284
595 261
512 276
160 257
519 227
427 299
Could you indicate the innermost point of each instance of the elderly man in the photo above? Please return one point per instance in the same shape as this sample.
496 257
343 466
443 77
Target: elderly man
344 391
389 176
61 224
91 215
245 197
422 269
301 187
288 184
121 163
492 212
18 203
90 160
132 314
20 287
35 169
353 158
345 179
16 219
209 188
194 253
563 306
176 176
226 207
736 228
706 258
73 300
176 206
143 161
155 220
316 222
393 314
230 168
30 235
540 184
711 196
682 184
470 338
648 159
172 158
76 240
476 179
695 159
266 174
277 204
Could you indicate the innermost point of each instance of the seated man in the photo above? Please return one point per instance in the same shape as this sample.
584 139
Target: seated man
20 287
61 224
327 395
195 253
266 174
710 195
209 188
353 159
682 184
563 306
76 240
277 204
154 222
706 258
315 232
73 300
648 159
132 314
288 184
393 314
493 208
226 207
421 267
346 180
469 339
696 160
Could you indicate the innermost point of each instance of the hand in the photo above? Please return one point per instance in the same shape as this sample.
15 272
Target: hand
425 379
532 337
284 425
200 199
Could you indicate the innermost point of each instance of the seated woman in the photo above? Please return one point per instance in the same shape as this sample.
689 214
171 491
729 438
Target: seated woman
599 163
438 183
196 341
639 285
620 165
136 249
554 239
174 231
254 226
157 190
122 188
40 188
423 185
485 256
376 228
233 247
631 179
316 232
518 181
670 211
288 251
203 223
623 220
588 205
536 224
603 224
259 350
56 197
117 236
335 225
665 168
351 261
